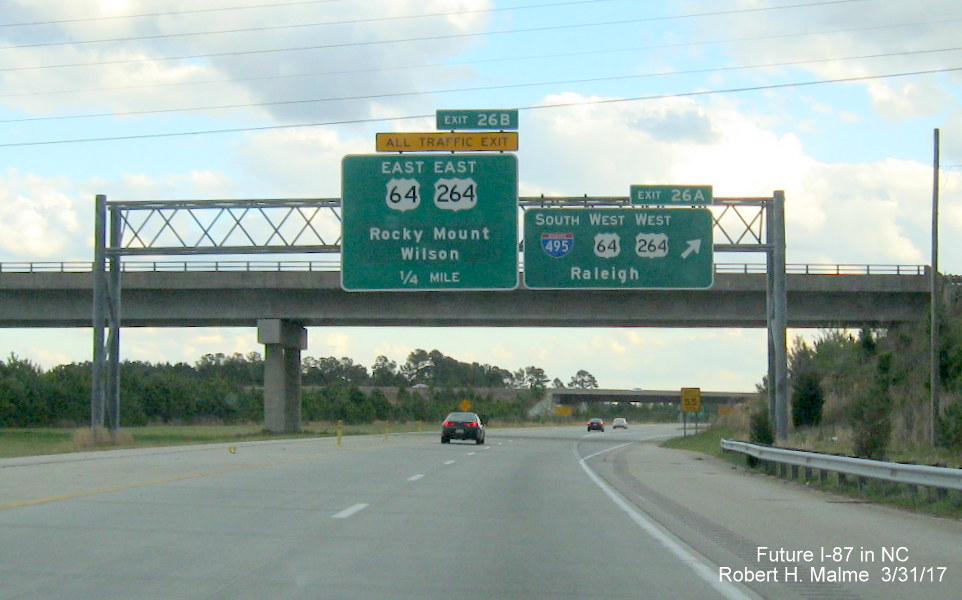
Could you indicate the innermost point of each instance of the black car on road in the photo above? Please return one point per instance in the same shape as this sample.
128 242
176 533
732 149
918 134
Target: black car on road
462 426
596 425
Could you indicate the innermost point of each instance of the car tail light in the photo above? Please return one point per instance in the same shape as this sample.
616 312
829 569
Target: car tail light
472 424
447 424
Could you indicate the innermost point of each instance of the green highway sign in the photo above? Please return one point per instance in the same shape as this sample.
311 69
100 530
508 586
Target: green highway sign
477 119
429 222
671 195
621 248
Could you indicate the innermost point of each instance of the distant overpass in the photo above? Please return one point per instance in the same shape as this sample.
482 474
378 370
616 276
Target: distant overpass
238 293
569 396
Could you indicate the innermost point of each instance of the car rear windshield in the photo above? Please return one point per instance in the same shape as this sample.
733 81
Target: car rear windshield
462 417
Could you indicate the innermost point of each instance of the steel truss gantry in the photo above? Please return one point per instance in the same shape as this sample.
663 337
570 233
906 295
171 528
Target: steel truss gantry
306 226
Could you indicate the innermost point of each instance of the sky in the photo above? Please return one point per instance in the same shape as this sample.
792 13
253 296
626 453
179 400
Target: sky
833 102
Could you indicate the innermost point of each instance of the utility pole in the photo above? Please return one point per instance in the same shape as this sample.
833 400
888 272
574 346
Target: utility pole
934 300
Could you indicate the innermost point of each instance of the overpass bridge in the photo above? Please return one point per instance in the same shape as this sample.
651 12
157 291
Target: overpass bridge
239 293
282 301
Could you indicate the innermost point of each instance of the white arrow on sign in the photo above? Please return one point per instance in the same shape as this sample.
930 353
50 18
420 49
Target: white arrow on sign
693 246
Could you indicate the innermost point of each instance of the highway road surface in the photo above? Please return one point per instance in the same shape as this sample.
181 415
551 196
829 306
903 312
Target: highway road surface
536 513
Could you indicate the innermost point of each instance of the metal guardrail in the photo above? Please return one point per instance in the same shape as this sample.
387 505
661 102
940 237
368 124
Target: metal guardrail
334 264
921 475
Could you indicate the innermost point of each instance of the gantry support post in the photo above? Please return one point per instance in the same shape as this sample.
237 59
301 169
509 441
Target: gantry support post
98 384
112 413
779 323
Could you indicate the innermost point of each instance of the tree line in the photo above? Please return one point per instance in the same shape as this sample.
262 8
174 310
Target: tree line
228 389
876 384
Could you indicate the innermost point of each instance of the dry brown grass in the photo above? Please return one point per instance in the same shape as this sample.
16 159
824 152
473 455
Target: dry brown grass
830 439
738 417
90 438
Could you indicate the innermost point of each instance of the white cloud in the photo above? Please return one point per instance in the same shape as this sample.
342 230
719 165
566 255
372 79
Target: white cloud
46 357
38 218
870 212
298 163
878 213
335 344
839 212
287 62
907 100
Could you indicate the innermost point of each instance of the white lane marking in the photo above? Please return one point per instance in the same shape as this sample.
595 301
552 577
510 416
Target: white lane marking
450 462
471 453
415 477
347 512
590 456
700 568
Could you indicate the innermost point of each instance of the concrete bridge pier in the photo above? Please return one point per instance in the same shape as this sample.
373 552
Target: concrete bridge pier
283 341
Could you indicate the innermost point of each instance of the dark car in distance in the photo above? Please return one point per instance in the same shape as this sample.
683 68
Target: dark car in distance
462 426
596 425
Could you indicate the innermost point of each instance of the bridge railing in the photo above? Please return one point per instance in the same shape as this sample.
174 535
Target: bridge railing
825 269
918 475
334 264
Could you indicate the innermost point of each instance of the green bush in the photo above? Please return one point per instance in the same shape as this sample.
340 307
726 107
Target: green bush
871 413
807 399
950 426
871 427
761 429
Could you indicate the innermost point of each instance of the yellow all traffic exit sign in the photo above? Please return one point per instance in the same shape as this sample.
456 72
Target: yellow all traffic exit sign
691 400
448 141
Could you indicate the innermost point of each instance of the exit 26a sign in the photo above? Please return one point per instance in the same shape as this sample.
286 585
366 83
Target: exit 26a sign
671 195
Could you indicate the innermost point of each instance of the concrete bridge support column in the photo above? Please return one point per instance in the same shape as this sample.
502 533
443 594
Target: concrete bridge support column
283 341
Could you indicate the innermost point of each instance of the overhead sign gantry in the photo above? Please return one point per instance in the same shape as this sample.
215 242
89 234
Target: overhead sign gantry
431 219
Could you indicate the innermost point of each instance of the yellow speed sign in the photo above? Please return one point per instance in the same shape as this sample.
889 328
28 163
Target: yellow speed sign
691 400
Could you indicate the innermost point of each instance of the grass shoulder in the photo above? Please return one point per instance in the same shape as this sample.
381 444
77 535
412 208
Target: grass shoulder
43 441
707 442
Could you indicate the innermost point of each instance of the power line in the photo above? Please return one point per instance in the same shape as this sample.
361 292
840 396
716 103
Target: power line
478 88
165 13
568 26
524 108
299 25
686 44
